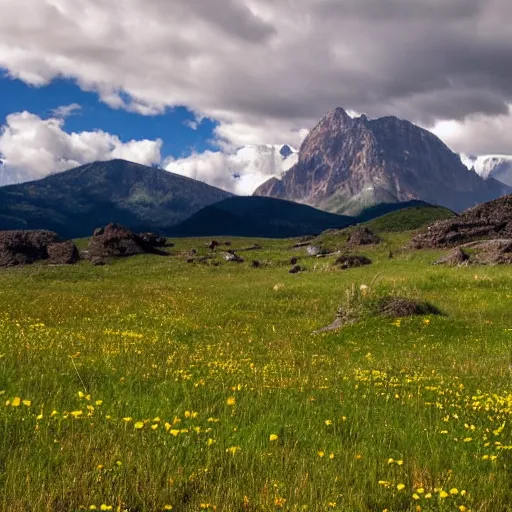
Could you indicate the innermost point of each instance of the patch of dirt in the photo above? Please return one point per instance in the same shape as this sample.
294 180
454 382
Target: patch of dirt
400 307
389 306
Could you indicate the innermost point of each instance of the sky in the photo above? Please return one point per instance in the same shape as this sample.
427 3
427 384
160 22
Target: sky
184 84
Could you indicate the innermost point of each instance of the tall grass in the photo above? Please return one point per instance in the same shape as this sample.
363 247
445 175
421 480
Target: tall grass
152 383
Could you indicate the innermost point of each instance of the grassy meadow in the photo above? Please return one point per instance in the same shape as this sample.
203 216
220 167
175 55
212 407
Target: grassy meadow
153 384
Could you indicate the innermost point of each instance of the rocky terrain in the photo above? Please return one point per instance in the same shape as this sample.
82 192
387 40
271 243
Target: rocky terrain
488 221
347 164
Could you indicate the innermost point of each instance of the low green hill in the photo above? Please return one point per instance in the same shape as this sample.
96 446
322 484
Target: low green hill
408 219
255 216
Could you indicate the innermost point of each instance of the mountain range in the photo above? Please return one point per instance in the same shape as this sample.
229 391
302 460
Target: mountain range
353 169
73 203
347 164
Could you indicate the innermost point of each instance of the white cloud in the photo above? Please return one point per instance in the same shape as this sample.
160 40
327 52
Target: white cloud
65 110
477 135
266 69
239 172
31 148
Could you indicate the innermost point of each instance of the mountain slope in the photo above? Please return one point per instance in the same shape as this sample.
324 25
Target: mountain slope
73 203
347 164
259 217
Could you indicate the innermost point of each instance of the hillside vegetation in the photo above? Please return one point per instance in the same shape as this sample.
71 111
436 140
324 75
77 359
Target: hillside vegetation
152 384
409 219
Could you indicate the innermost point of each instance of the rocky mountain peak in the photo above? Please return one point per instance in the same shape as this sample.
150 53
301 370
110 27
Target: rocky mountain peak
347 164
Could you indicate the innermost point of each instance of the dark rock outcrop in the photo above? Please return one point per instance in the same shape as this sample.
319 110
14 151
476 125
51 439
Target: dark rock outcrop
295 269
488 221
352 261
117 241
26 247
363 236
154 240
347 164
63 253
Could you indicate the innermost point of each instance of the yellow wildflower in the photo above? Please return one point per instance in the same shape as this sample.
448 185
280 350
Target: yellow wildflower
400 487
231 401
16 401
273 437
138 425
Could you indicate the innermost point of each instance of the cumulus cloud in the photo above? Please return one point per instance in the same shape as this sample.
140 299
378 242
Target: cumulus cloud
31 148
239 172
477 135
272 67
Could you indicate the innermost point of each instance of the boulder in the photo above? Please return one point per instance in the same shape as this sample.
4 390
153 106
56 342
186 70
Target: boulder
117 241
492 252
363 236
231 256
352 261
154 240
25 247
457 257
63 253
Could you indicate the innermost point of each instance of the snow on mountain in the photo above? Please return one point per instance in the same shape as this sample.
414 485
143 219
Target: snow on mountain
239 172
498 167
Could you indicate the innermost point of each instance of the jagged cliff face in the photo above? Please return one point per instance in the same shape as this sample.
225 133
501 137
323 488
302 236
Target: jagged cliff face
346 164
